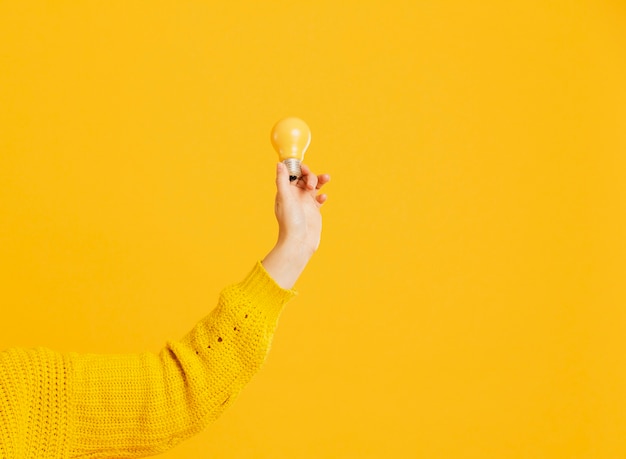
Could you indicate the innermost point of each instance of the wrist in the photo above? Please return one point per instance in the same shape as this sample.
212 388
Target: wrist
286 261
295 247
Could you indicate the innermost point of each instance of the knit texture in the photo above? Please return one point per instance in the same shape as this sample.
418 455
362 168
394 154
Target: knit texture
61 406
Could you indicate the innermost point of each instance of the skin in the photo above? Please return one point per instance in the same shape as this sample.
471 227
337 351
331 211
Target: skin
297 209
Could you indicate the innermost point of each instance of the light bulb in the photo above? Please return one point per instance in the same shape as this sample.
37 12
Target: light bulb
290 138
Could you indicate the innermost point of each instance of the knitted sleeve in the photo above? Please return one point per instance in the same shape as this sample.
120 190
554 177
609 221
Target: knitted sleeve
138 405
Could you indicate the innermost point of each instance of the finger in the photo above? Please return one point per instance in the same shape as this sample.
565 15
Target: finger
311 181
322 180
305 172
321 199
307 180
282 179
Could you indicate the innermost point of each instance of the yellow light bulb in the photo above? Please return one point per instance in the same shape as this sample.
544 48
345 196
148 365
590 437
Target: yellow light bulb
290 138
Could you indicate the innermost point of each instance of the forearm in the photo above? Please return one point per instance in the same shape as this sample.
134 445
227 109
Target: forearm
156 401
286 261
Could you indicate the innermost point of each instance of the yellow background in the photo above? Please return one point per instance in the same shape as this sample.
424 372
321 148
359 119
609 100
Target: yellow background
468 299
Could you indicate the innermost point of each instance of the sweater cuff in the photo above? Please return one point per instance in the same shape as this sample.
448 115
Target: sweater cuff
260 285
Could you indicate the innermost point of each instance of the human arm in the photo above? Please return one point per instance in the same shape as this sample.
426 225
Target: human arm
55 405
193 381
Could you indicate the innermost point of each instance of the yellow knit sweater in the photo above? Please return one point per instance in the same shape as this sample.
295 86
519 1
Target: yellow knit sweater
119 406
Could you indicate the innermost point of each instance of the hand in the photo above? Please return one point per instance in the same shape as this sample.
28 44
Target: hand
298 206
297 210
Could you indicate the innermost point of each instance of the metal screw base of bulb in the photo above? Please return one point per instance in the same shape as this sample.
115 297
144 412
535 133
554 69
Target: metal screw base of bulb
293 166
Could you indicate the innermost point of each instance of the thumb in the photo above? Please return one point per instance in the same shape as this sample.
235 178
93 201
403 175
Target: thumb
282 179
